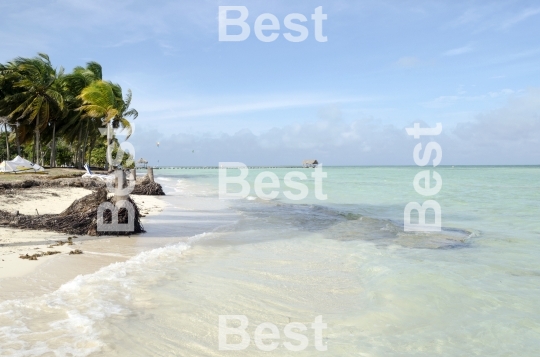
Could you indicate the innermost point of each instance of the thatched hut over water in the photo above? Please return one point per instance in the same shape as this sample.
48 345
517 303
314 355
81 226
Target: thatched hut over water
310 163
142 163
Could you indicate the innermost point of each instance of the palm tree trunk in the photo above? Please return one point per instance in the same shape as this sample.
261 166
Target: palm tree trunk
36 140
85 143
7 142
92 145
17 139
109 146
6 136
78 152
53 146
72 153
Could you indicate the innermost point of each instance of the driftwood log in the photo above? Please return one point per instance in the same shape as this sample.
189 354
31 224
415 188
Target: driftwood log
79 218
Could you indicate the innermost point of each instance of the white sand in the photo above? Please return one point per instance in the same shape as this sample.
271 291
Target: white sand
16 242
44 200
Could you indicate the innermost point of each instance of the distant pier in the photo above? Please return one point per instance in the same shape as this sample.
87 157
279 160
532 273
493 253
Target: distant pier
217 167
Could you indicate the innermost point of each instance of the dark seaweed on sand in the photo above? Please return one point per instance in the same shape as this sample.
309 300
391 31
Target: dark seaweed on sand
143 186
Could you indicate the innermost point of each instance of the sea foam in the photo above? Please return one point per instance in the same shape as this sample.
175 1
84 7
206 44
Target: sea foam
69 321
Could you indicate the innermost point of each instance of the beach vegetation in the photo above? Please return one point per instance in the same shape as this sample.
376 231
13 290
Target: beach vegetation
54 118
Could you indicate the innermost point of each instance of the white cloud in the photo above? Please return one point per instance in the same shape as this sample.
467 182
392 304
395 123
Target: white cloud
458 51
408 62
442 101
447 100
517 122
509 135
106 24
209 107
493 16
470 15
524 15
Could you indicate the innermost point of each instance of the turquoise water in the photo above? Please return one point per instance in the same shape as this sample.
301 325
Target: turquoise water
495 199
471 289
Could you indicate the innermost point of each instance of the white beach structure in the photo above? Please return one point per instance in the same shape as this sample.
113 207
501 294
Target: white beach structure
90 174
18 165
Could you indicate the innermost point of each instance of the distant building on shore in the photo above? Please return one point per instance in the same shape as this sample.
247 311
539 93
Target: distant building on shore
310 163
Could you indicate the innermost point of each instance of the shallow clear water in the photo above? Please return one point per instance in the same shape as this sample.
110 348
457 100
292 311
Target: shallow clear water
471 289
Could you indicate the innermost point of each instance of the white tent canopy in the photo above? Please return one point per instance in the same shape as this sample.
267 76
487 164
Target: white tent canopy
19 164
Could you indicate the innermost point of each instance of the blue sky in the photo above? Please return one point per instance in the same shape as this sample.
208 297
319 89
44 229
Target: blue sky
474 66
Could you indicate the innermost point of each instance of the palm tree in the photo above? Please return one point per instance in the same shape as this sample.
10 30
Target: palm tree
4 121
62 113
44 106
8 76
92 73
103 100
40 99
72 121
124 112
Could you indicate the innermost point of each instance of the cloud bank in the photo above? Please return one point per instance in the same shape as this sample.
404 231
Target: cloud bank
509 135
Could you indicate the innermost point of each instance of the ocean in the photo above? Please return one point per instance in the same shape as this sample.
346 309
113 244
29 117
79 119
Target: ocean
469 290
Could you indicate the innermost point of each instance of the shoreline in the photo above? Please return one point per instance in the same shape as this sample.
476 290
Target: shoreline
15 242
22 278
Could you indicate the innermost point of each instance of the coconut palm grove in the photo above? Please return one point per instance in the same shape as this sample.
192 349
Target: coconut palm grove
54 118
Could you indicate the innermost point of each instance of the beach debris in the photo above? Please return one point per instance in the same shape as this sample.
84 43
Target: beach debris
146 186
79 218
76 251
58 243
38 255
28 183
29 257
51 182
149 189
